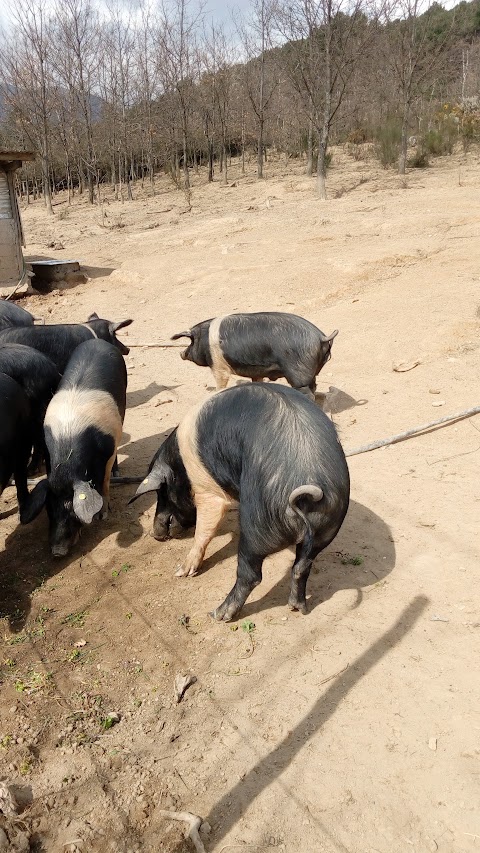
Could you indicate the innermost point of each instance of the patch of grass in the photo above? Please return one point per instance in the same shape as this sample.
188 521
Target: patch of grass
248 626
76 619
24 636
32 682
5 741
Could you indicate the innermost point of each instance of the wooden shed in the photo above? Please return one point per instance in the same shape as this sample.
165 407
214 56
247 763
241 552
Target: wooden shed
12 266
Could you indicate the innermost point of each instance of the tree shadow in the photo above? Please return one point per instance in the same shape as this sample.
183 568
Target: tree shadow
143 395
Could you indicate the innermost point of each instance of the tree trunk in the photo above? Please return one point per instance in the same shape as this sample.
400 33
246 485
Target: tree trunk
243 143
321 172
210 160
309 166
260 150
402 160
186 176
225 178
46 185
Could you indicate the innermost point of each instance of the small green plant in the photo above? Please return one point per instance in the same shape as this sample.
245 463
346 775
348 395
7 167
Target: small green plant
248 626
25 766
5 741
74 656
129 615
125 568
352 561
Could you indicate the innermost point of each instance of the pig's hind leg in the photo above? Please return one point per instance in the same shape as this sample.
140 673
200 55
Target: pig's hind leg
249 575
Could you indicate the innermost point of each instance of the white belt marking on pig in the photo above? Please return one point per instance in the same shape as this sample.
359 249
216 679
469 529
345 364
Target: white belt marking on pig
72 410
220 367
202 482
89 329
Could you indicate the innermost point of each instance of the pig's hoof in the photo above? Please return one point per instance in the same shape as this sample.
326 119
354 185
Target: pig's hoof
224 613
301 606
186 572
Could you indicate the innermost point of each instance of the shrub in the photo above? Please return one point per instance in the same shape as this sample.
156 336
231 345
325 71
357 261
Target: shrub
387 142
419 160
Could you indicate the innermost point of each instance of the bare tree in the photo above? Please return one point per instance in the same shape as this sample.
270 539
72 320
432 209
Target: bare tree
327 38
256 33
78 40
414 56
28 86
177 64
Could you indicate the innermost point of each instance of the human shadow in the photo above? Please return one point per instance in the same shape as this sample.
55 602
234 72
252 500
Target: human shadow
231 807
143 395
26 561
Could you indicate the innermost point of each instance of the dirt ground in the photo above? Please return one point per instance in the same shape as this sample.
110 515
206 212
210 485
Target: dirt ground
356 728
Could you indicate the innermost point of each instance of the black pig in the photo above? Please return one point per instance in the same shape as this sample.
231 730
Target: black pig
83 427
15 437
39 378
274 451
265 345
12 315
59 341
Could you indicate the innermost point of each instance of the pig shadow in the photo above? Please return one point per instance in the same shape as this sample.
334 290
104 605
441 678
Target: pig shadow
143 395
139 453
335 400
26 561
362 554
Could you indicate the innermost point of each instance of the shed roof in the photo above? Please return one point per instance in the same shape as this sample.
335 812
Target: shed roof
10 156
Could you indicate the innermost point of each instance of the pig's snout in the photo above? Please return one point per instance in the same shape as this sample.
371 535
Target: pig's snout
60 549
161 528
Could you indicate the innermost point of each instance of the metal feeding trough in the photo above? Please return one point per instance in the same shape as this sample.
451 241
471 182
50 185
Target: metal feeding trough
47 274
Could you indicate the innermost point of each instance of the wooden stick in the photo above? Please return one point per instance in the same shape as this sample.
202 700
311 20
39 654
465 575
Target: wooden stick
384 442
114 481
194 823
161 346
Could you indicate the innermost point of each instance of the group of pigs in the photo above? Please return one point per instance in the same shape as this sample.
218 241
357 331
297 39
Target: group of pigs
267 447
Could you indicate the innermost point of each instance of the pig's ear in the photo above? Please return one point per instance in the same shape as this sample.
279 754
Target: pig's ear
187 334
114 327
86 501
160 474
331 337
34 503
93 316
